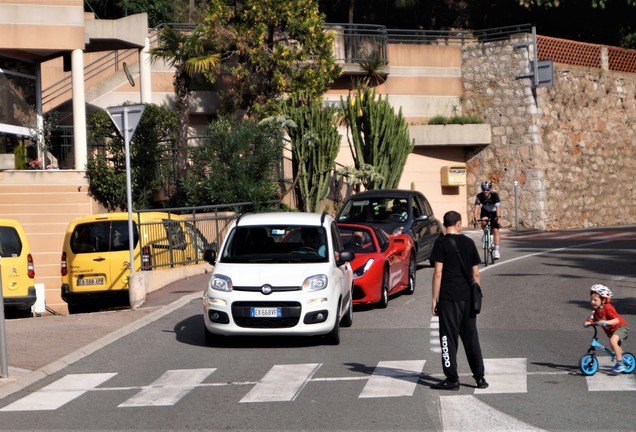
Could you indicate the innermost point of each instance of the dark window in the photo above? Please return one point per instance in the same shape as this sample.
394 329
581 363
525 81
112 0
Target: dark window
10 244
103 236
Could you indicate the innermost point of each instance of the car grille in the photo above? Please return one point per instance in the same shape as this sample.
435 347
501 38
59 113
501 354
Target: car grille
274 288
290 311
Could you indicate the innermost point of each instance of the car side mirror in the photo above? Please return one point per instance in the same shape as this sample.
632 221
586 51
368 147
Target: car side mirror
422 218
346 256
209 255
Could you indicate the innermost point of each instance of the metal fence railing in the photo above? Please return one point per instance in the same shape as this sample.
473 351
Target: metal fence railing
454 37
183 237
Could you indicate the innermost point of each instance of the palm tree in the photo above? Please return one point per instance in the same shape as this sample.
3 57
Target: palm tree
189 52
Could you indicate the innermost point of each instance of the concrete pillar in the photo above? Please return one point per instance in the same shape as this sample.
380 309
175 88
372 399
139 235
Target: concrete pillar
145 74
604 58
79 110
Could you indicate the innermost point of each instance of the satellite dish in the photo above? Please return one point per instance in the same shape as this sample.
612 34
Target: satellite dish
129 75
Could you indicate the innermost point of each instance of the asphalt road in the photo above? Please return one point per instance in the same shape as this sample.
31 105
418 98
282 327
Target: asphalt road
163 377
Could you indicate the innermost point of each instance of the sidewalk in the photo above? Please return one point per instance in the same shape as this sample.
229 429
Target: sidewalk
40 346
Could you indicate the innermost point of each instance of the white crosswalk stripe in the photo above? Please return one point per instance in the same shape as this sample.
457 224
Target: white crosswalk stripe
59 393
601 381
282 383
169 388
467 413
505 375
393 379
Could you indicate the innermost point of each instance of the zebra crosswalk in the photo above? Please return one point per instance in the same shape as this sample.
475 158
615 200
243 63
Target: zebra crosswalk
283 383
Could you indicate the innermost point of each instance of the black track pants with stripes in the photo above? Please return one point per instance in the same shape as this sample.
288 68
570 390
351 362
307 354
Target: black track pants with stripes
455 322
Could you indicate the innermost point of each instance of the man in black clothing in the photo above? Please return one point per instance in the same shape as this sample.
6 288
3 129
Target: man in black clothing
451 302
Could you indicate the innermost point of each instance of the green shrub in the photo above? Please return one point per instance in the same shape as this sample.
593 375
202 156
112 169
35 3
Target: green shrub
458 119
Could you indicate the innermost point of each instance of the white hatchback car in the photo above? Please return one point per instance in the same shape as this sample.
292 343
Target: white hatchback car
280 274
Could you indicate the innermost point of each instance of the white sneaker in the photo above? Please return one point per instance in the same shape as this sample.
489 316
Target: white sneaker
496 254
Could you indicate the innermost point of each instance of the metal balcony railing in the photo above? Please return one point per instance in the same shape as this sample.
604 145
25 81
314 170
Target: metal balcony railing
356 43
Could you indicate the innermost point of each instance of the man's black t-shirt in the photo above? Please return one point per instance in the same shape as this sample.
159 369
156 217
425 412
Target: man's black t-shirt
454 285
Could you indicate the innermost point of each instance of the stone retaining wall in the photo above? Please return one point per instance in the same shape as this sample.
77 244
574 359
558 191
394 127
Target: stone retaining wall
570 148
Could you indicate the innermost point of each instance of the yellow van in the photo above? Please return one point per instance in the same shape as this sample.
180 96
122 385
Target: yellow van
18 273
95 255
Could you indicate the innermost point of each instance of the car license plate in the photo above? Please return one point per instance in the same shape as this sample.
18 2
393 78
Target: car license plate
264 312
90 281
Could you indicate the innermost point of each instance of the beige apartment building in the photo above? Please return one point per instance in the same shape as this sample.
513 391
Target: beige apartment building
56 58
53 56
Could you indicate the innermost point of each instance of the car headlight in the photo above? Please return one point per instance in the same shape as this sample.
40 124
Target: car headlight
362 269
220 283
315 283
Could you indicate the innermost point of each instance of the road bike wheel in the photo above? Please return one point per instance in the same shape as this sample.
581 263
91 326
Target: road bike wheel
588 364
629 361
486 250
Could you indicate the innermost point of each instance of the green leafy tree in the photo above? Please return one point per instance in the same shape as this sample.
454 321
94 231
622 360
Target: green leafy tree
106 167
234 163
378 138
189 53
271 48
315 142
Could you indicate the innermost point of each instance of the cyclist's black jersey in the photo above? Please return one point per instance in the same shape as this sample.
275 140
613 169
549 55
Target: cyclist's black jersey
488 205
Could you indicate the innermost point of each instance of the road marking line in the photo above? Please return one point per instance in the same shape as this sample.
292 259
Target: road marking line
617 235
505 375
282 383
434 333
59 393
604 380
169 388
393 379
467 413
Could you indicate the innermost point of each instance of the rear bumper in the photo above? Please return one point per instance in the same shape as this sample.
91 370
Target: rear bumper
21 302
91 296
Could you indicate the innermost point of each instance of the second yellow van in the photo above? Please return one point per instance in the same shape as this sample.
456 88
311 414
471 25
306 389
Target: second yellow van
95 262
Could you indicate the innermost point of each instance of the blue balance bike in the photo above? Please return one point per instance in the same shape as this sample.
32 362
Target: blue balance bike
588 364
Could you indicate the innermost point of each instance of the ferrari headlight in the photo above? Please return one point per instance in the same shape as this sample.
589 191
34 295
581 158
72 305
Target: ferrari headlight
360 271
220 283
315 283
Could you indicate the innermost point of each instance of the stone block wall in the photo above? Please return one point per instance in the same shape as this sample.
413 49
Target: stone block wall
569 148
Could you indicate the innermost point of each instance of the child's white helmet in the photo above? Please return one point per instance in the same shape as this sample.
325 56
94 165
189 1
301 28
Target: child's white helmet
602 290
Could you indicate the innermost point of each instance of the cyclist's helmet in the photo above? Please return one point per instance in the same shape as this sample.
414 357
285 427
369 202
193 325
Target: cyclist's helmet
602 290
486 186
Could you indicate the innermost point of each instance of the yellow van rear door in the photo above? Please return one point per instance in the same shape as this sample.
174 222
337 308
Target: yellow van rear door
89 262
15 280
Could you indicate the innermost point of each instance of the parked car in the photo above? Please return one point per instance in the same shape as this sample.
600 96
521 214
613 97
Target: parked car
280 274
395 211
18 272
383 264
96 254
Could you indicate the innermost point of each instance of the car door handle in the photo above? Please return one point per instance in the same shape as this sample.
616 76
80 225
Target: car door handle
99 259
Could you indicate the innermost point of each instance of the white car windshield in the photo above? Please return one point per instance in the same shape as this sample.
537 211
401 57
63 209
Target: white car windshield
276 244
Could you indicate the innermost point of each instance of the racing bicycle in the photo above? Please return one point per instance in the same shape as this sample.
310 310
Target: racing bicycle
588 364
487 240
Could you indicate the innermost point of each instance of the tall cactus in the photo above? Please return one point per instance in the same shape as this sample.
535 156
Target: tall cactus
315 144
377 137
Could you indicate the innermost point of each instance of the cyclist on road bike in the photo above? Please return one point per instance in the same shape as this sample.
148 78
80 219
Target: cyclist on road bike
488 206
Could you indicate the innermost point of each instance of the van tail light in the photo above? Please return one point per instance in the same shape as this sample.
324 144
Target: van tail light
146 259
30 267
63 266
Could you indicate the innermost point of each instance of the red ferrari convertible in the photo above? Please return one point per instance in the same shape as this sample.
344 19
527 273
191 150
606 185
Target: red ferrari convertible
383 265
